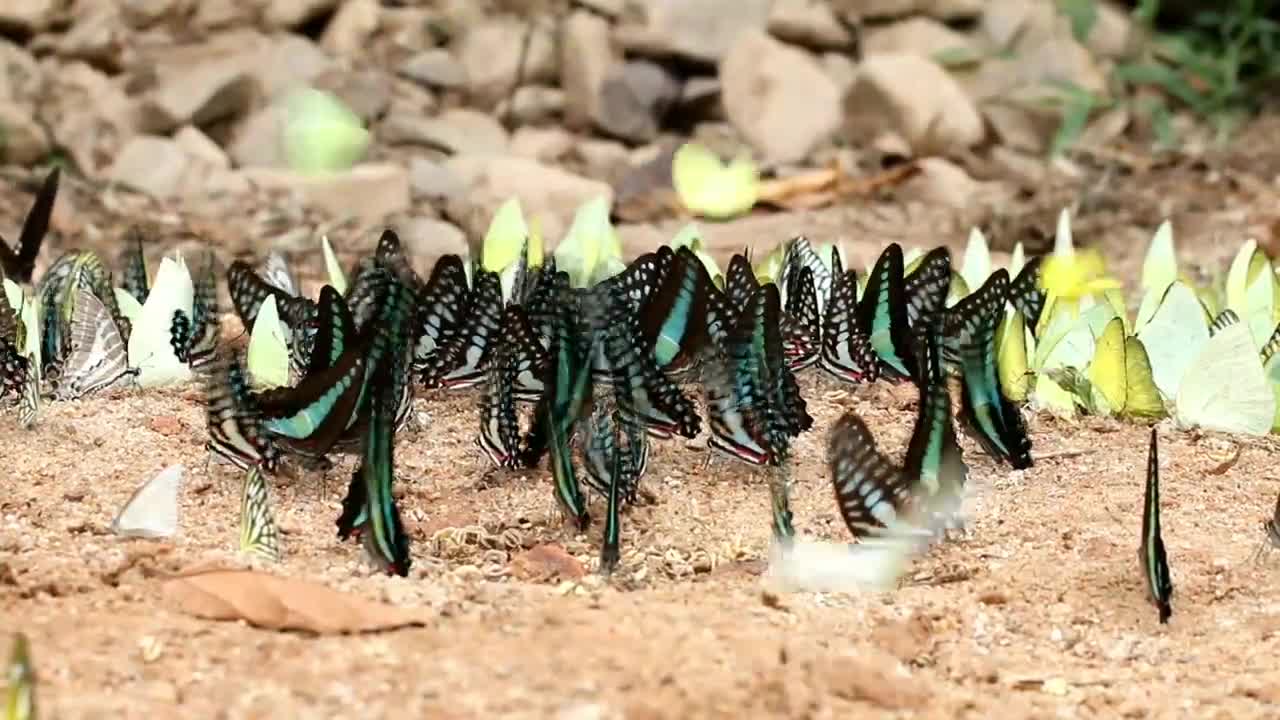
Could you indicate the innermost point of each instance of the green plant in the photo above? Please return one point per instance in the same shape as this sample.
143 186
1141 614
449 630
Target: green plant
1218 66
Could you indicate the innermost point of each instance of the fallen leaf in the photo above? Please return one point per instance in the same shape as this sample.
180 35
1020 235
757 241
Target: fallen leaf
546 562
279 603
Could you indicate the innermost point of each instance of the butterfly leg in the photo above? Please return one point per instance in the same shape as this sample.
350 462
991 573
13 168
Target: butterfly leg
780 495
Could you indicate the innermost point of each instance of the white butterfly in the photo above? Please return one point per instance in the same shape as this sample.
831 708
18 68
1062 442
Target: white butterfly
152 510
150 341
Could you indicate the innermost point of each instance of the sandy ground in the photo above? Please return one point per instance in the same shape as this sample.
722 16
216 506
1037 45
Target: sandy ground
1040 612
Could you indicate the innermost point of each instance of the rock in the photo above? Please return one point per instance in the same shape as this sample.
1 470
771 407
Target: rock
604 160
541 144
490 54
22 80
369 192
698 30
144 13
633 100
921 36
366 92
291 14
548 194
426 239
435 68
543 563
256 141
162 168
97 37
432 181
196 144
288 61
609 8
22 140
764 82
885 97
27 17
1020 122
1042 42
92 139
199 96
1112 35
941 183
535 105
841 69
811 23
586 55
218 14
458 131
349 31
857 10
699 101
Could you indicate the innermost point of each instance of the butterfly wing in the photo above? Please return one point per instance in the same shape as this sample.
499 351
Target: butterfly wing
1225 388
19 264
152 510
259 536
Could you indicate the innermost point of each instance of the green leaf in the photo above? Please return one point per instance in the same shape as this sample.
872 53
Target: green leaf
1075 116
1083 15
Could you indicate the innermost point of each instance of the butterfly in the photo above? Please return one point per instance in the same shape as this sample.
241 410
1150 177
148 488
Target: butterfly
277 273
1026 292
801 325
321 134
645 395
234 421
152 510
195 338
1271 528
98 358
248 291
259 536
466 353
150 342
369 508
846 352
613 470
925 287
443 302
1225 388
134 279
499 424
970 343
1151 554
567 394
671 306
881 314
29 400
19 263
708 187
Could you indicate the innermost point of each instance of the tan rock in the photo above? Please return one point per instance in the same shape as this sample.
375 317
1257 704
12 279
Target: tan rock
196 144
457 131
256 141
290 14
811 23
368 192
435 68
91 138
886 97
763 84
547 193
23 141
921 36
348 33
1042 42
533 105
490 52
586 55
217 14
28 16
98 36
855 10
162 168
199 95
433 181
541 144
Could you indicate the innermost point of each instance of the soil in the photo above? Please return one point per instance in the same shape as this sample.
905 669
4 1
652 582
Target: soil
1040 611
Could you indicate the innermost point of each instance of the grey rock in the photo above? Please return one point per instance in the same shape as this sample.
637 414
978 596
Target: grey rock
634 98
435 68
458 131
697 30
287 61
700 100
366 92
433 181
778 97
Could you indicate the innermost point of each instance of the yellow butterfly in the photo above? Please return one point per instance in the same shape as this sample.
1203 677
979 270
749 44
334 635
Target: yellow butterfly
1120 374
709 188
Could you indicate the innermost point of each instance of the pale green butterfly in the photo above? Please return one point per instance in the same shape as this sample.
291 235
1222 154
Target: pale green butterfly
321 134
268 357
976 266
1226 388
1172 326
1160 266
1251 289
591 250
710 188
150 345
691 237
29 312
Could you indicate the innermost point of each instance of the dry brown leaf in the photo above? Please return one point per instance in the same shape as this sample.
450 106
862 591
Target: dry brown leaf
782 190
280 603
